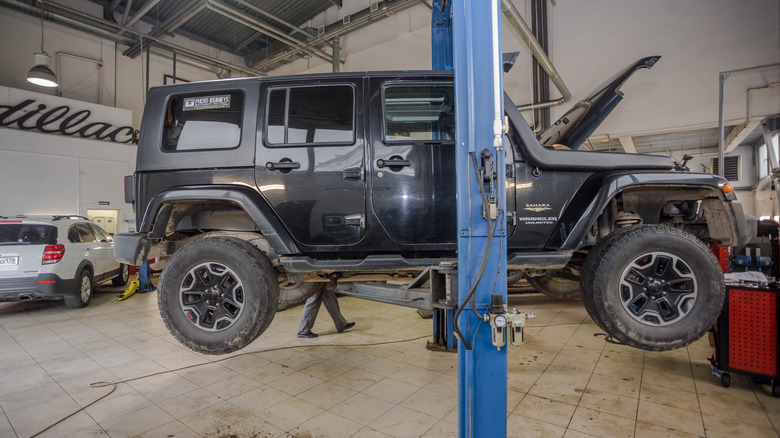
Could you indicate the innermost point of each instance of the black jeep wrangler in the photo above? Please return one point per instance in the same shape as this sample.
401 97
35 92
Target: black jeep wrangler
257 191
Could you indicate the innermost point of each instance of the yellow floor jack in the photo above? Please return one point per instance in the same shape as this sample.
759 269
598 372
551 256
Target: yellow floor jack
142 283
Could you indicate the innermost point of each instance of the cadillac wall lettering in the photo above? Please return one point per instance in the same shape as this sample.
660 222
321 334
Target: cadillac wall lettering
59 120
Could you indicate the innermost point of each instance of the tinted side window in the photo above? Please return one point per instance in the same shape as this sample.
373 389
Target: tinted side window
73 235
32 234
419 112
85 233
311 115
198 121
101 235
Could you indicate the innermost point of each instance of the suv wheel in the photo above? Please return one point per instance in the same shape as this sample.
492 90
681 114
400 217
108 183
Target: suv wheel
218 294
297 293
83 291
554 286
653 287
124 275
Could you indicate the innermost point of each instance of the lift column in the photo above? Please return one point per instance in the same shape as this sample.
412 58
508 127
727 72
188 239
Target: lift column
482 367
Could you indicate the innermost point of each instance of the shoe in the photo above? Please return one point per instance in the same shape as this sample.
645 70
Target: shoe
347 327
307 335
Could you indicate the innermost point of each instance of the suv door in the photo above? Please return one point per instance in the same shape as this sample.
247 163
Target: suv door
93 248
309 163
107 243
413 159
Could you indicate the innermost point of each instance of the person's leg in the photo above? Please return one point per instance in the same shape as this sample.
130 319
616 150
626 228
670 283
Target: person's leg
332 305
310 311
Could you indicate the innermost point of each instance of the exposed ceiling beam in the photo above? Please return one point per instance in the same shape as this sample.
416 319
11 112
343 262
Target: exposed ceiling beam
141 12
628 144
738 134
190 10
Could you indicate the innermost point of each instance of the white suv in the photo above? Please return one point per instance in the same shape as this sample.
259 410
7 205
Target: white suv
55 257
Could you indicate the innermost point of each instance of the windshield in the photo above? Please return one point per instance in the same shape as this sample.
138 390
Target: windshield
27 234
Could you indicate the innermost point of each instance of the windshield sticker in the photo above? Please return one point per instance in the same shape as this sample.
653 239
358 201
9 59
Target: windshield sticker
206 102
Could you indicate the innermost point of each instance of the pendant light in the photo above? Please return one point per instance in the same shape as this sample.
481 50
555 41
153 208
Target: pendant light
42 73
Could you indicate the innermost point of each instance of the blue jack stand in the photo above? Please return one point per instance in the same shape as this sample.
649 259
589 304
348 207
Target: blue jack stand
145 278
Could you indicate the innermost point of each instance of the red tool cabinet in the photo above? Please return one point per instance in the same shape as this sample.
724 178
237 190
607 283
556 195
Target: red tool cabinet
746 335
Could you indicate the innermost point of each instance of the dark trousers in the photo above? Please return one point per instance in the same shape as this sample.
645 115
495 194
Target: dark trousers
325 295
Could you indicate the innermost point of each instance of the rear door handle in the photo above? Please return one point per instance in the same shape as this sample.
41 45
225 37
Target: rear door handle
393 162
282 165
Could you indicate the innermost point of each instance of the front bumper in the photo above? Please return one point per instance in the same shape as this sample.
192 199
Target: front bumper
42 287
746 225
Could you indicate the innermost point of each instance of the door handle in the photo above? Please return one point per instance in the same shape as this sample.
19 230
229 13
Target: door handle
393 162
283 165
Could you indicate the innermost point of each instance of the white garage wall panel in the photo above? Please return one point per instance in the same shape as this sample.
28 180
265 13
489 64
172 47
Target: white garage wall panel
37 184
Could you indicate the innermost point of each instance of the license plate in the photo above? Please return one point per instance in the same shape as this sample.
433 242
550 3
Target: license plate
9 261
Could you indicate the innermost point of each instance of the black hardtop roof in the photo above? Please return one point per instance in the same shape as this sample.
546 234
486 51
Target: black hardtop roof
315 77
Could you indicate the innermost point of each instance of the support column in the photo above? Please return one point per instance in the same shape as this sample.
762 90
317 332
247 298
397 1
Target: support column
482 368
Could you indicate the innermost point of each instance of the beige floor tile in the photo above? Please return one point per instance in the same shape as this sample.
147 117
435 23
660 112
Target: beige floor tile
258 400
601 424
175 429
557 391
416 375
571 433
290 413
669 397
137 422
383 366
18 400
430 403
549 411
627 387
233 386
77 425
670 418
187 403
362 408
327 425
327 369
603 401
368 432
269 372
678 382
216 420
206 375
442 429
523 427
742 412
647 430
391 390
251 427
717 427
115 406
326 395
357 379
403 422
296 383
164 387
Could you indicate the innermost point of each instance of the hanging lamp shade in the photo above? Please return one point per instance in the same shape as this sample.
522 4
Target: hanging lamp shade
42 74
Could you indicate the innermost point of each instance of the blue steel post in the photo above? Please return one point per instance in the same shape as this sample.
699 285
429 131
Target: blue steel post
482 370
441 59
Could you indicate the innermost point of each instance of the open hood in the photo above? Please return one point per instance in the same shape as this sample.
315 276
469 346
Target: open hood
574 127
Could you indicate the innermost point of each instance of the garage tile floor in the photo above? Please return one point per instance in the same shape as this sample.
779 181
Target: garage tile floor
565 382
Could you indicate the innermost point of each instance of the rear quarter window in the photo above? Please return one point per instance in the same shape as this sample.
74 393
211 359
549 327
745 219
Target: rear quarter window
31 234
203 121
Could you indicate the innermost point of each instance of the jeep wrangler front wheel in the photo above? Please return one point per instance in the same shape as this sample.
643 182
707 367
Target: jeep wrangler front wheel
653 287
217 294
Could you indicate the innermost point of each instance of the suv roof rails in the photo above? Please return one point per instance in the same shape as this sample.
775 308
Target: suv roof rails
68 216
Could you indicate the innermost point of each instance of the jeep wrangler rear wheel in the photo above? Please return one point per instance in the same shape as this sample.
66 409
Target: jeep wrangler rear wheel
556 287
653 287
218 294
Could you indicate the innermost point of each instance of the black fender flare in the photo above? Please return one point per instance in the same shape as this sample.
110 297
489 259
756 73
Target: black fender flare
597 191
245 198
82 265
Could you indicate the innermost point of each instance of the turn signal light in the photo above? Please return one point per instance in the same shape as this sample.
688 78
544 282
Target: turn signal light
727 188
52 254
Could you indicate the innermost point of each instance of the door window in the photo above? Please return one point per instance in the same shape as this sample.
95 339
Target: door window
321 115
85 234
203 121
419 112
101 235
73 235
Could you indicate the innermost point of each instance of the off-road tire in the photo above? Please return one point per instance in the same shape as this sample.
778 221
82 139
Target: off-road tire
225 264
123 276
81 297
293 295
555 287
611 287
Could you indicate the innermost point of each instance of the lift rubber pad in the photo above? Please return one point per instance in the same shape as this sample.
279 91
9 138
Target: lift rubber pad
753 331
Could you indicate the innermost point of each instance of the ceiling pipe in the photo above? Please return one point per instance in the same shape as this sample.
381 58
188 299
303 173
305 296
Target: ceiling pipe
97 27
514 18
357 20
254 23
